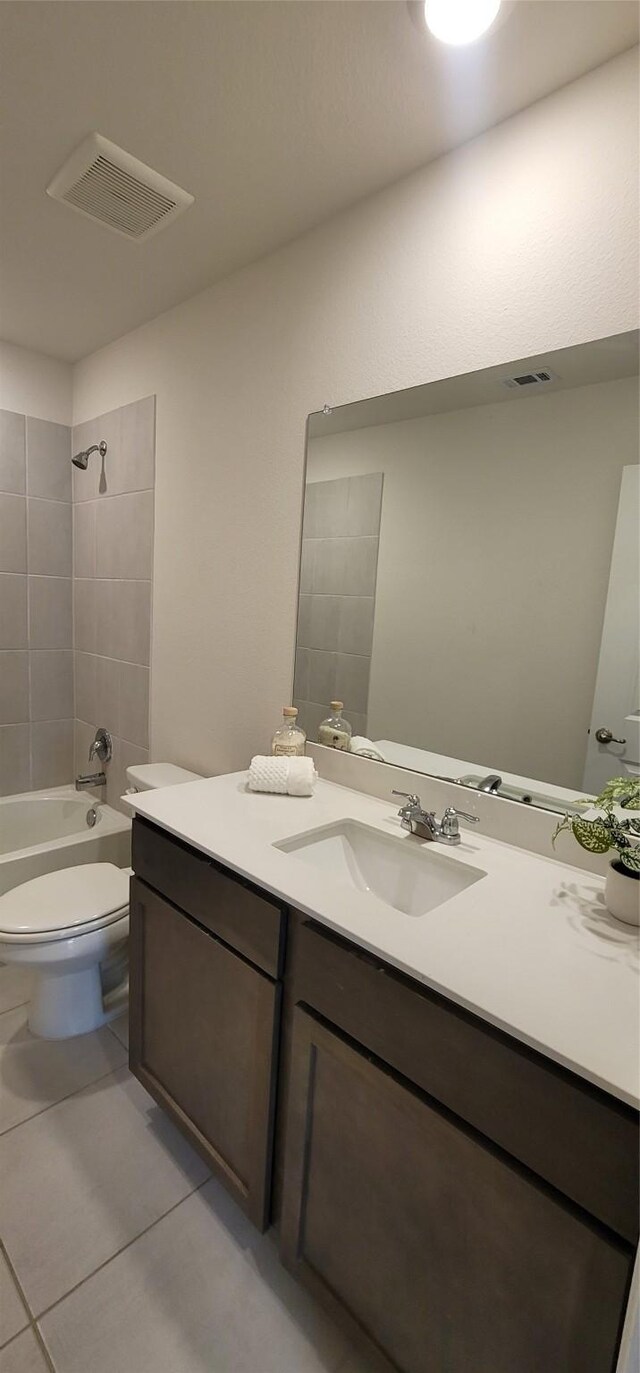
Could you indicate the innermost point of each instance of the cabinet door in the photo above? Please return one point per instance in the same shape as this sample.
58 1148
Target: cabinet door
445 1254
204 1024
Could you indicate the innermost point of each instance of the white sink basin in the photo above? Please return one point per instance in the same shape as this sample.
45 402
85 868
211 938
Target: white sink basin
406 875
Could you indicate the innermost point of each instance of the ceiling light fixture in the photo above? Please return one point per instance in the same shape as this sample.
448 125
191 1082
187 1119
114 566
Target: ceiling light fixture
460 21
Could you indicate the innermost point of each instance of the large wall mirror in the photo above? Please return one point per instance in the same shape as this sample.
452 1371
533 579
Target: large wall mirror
470 574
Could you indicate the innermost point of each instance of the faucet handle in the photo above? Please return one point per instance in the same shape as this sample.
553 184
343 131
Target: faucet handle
449 828
451 811
101 746
409 796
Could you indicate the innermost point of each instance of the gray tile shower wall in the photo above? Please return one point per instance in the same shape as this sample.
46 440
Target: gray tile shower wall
340 539
36 642
113 516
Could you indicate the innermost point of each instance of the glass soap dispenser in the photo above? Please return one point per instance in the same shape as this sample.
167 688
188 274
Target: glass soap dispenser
335 732
290 739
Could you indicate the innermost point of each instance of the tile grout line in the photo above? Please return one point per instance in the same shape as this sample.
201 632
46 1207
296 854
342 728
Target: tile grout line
50 500
31 1322
308 701
105 1264
111 1073
8 1009
117 495
144 748
5 1255
32 1326
339 652
63 577
108 579
45 1352
126 662
337 538
111 1030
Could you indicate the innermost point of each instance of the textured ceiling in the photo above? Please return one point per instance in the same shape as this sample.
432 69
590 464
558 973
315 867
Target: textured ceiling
275 114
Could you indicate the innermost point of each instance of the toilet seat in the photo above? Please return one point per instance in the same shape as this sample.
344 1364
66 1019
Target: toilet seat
64 904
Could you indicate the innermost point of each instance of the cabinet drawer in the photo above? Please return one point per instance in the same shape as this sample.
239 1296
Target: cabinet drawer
216 898
575 1137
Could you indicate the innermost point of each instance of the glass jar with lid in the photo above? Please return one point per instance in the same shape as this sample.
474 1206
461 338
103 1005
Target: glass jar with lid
335 731
290 739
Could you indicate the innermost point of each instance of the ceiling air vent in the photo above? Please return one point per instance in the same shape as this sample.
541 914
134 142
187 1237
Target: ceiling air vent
113 188
528 379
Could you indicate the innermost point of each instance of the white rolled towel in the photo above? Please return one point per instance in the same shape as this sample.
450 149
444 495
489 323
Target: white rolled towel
365 748
284 775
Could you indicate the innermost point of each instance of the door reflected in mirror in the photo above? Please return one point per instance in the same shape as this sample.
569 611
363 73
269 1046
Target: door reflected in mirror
470 574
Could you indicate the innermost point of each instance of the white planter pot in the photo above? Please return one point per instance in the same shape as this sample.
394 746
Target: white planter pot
622 894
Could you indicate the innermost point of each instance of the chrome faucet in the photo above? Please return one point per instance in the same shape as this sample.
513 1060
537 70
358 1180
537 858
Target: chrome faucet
424 824
101 747
491 784
90 779
415 819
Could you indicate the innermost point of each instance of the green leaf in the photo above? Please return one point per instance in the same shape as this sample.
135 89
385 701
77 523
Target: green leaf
617 831
592 835
631 859
620 791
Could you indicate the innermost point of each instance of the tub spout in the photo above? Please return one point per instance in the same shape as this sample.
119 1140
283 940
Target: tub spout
491 784
91 779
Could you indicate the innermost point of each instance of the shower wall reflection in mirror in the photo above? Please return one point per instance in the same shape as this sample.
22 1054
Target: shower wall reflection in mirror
470 573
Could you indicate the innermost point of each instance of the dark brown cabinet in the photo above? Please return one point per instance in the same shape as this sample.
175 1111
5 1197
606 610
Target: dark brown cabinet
204 1020
458 1201
461 1204
446 1254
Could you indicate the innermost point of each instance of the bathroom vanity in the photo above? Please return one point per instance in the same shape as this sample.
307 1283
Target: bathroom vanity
435 1103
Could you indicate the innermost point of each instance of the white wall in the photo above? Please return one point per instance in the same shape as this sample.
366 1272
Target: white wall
33 384
493 567
523 240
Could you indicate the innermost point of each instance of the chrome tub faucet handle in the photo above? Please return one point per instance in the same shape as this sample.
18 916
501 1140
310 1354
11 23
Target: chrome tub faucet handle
101 746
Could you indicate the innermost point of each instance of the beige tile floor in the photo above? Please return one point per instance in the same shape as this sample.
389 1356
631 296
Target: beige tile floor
119 1253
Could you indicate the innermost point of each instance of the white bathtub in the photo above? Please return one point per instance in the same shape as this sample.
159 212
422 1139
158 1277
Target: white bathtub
41 831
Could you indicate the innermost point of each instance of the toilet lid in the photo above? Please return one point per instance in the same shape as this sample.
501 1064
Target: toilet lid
64 900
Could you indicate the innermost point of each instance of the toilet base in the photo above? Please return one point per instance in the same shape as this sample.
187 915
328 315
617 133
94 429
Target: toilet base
81 980
71 1003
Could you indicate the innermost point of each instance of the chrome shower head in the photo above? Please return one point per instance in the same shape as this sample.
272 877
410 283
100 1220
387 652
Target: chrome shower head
81 460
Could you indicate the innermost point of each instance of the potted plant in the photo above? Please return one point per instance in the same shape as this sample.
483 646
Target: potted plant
610 830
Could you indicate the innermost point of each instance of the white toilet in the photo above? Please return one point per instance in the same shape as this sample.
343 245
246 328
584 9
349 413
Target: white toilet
66 924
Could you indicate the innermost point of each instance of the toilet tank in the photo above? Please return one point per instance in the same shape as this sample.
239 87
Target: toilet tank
149 776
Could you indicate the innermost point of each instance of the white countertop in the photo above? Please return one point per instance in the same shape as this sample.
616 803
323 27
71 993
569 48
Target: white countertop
530 947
